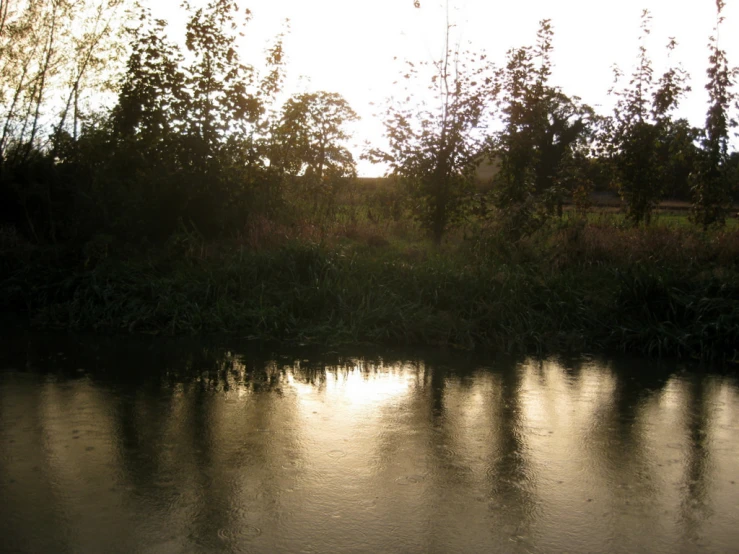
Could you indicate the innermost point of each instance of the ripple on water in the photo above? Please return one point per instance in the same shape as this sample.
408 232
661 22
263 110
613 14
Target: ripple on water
291 465
539 432
336 454
454 469
166 480
446 450
253 496
239 533
410 479
174 500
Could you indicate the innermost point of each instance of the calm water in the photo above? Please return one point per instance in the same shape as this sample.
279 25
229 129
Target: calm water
165 447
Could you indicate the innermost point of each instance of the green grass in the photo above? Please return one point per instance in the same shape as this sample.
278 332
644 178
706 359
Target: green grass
664 217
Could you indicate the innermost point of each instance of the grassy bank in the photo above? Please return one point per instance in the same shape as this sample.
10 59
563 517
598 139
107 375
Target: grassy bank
659 291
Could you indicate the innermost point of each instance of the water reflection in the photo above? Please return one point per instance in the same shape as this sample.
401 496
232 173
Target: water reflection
125 446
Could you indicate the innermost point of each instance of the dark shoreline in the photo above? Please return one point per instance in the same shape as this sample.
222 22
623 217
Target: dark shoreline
302 293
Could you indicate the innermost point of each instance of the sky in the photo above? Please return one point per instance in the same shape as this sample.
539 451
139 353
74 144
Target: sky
350 46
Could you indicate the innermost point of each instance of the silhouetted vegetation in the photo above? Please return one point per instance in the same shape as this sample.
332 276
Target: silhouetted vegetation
434 150
643 139
712 186
204 200
542 148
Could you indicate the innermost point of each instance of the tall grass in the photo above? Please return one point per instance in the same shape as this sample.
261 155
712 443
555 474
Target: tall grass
572 286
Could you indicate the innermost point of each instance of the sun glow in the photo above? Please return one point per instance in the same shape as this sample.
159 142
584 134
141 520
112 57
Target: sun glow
359 387
357 48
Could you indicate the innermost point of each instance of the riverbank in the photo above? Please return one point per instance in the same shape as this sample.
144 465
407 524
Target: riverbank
657 291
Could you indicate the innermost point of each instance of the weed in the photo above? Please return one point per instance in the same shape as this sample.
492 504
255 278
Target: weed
577 284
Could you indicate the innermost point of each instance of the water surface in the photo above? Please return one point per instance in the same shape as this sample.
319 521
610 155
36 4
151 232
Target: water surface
166 447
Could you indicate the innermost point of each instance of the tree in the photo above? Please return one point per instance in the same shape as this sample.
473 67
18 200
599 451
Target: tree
711 183
220 103
191 125
683 155
544 135
638 133
435 146
52 55
96 43
307 144
151 98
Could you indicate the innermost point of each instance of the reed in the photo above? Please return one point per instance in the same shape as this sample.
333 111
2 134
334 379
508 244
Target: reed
576 286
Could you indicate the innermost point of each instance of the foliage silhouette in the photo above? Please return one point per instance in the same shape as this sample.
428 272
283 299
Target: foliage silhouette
435 145
712 180
307 146
639 133
544 139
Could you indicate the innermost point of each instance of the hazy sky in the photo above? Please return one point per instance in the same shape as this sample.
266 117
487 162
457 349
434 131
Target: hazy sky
348 46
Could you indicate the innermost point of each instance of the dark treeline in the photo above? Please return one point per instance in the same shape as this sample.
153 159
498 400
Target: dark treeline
152 215
197 138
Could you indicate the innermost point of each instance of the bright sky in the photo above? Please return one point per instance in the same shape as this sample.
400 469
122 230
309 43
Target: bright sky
348 46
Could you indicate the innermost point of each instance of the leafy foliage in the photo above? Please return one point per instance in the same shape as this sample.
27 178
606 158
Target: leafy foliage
435 145
54 58
307 146
543 144
199 143
639 133
712 185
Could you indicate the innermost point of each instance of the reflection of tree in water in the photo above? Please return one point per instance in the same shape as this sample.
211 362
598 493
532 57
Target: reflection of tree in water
431 433
435 445
29 483
199 435
571 367
617 431
435 384
140 429
617 444
451 477
511 481
399 420
206 441
240 461
616 436
694 507
162 442
223 370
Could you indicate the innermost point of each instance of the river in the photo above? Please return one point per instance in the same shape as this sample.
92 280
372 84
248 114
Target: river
171 446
